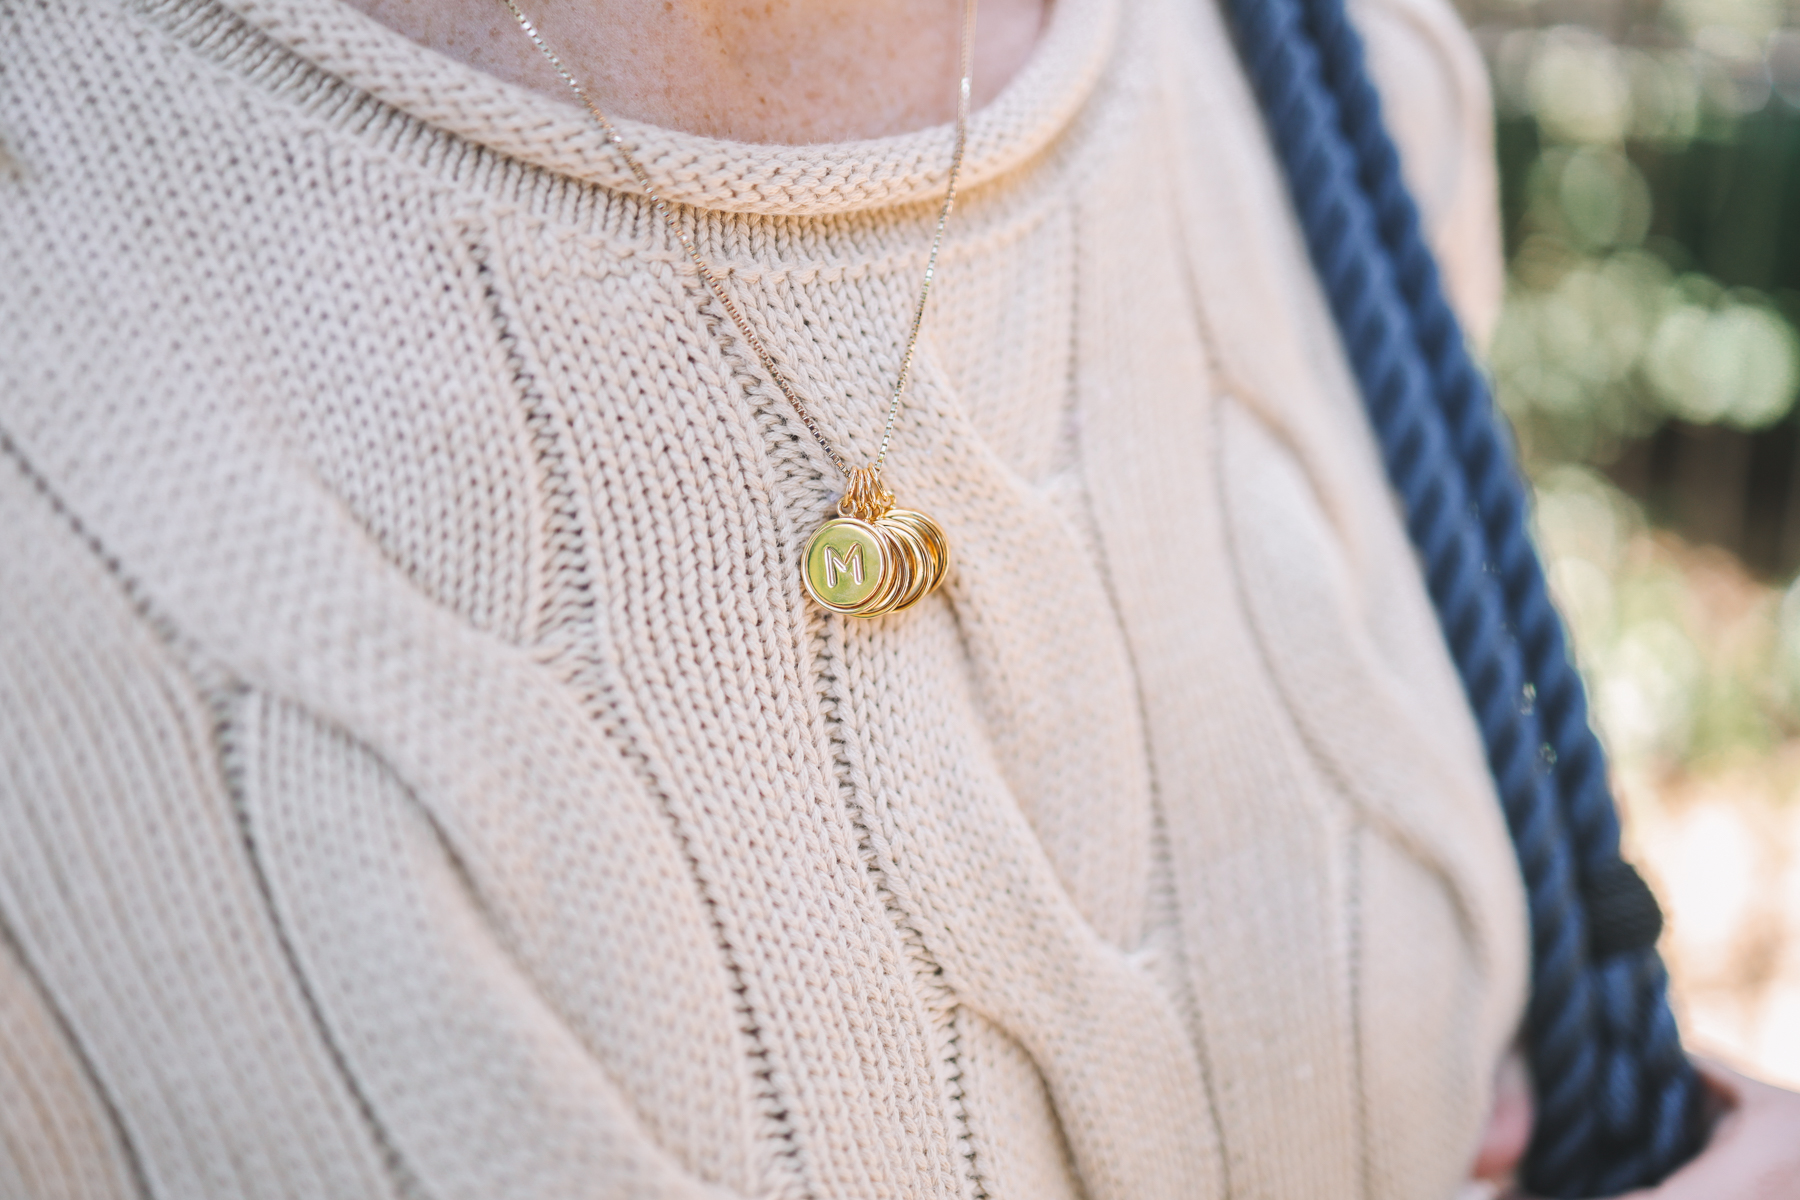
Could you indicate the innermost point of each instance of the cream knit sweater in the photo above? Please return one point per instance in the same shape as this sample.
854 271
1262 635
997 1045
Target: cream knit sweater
422 774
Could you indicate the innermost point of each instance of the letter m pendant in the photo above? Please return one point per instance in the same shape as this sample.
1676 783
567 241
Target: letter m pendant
835 566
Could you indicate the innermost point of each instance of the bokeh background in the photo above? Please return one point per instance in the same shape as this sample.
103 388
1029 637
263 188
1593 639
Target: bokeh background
1649 359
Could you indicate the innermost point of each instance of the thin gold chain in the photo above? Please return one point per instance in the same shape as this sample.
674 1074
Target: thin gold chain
965 65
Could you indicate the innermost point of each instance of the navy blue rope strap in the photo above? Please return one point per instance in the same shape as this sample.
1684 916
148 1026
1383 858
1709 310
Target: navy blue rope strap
1618 1103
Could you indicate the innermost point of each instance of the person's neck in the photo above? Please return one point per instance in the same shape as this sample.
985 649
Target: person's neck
781 71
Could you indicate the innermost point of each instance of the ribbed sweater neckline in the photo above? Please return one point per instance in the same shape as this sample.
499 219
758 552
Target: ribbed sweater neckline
691 169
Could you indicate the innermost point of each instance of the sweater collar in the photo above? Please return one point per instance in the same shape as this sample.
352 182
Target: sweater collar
691 169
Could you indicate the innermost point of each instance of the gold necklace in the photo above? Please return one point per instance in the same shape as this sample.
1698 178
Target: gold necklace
872 558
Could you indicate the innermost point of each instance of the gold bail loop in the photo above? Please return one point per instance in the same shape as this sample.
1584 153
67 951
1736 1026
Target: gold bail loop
865 498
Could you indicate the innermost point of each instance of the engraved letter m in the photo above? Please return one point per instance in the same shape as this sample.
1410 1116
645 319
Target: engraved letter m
835 566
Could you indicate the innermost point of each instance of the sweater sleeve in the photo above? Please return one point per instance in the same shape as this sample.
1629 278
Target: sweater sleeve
1435 97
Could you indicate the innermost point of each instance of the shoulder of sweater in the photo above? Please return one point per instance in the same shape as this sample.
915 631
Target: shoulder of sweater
1435 98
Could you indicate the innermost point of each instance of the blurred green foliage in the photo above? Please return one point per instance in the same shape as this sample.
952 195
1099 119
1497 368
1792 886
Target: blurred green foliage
1648 357
1650 158
1648 354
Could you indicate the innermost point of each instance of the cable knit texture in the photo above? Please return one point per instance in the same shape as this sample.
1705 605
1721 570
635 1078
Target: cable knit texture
422 773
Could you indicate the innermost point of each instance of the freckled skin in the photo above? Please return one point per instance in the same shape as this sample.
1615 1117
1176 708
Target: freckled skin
776 71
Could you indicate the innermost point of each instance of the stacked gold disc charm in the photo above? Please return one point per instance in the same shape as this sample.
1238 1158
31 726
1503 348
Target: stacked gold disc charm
873 558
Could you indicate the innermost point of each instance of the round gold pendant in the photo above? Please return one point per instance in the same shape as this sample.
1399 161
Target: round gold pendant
848 565
910 570
931 534
874 558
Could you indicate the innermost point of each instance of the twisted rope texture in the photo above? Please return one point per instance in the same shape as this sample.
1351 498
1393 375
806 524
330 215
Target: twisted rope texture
1617 1102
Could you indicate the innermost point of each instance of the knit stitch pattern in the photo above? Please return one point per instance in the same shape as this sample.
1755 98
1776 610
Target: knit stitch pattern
422 772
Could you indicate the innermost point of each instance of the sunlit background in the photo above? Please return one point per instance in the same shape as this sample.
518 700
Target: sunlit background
1648 357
